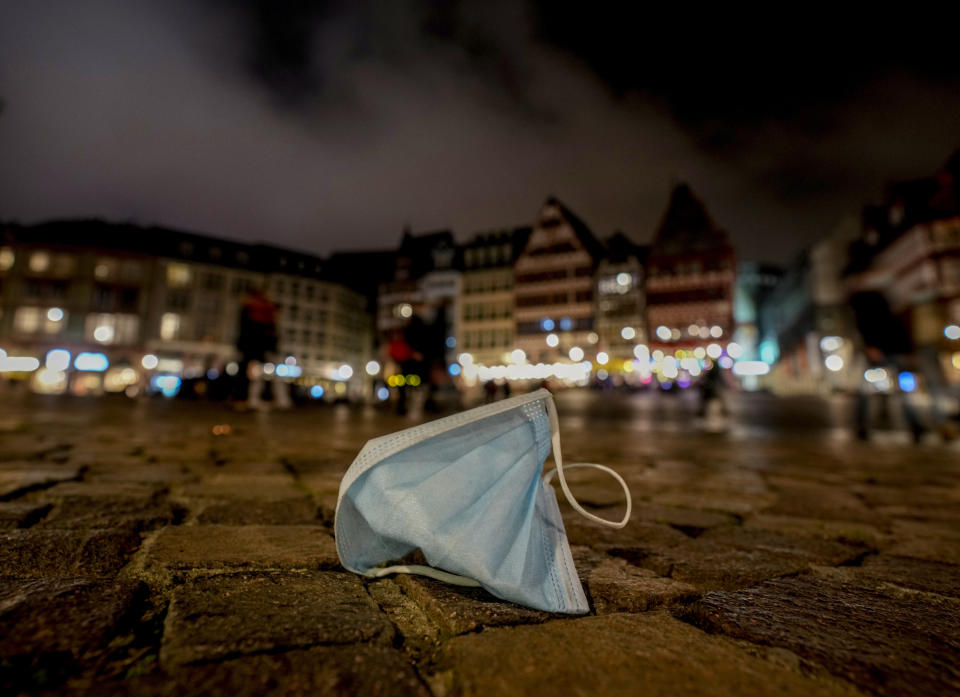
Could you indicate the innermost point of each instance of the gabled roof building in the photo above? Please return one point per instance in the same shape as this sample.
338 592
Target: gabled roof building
690 277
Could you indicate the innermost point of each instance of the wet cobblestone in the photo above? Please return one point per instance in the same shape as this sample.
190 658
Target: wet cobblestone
143 554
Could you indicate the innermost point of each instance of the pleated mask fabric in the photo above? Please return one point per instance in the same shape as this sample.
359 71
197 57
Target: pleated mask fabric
468 491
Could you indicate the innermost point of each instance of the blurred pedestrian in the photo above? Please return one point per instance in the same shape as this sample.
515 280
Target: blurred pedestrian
407 359
884 343
711 388
927 334
434 351
256 338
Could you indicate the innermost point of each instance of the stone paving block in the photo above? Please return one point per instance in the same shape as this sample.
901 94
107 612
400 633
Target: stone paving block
49 627
21 514
98 504
16 481
334 460
138 471
816 550
886 644
344 671
245 546
263 487
928 576
456 609
615 585
852 532
913 497
28 447
731 503
325 488
689 521
36 552
299 511
418 634
137 491
664 474
725 480
930 541
651 537
650 654
216 617
731 558
815 500
943 513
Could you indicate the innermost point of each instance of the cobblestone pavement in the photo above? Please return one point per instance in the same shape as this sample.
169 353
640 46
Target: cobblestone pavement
145 550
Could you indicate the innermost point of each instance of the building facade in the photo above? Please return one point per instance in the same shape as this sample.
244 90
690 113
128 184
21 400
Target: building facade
621 321
910 249
148 303
487 325
554 287
425 279
690 278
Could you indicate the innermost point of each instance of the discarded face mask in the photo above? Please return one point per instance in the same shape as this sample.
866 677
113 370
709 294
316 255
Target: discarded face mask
467 491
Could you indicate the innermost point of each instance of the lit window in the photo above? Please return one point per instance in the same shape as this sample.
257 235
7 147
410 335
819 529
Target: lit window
105 268
27 319
55 321
39 262
107 328
104 333
130 270
63 265
178 275
169 326
7 257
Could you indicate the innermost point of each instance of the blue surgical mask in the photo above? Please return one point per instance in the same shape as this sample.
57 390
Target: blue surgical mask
467 491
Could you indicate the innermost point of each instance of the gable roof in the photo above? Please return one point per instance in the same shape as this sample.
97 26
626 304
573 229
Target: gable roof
417 251
619 249
687 227
580 229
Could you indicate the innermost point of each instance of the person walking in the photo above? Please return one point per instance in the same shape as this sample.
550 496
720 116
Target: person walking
407 360
884 343
256 338
711 388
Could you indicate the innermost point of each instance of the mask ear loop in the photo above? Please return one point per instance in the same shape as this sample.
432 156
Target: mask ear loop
420 570
558 459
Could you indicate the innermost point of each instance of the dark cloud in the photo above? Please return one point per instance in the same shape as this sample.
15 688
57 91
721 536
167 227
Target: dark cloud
325 125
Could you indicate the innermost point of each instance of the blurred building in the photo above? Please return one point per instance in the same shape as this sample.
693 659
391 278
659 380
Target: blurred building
487 325
910 249
804 323
554 286
621 321
425 280
690 277
755 282
132 303
322 325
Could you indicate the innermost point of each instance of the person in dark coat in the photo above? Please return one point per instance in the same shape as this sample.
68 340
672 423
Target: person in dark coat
711 387
434 351
407 358
256 338
885 343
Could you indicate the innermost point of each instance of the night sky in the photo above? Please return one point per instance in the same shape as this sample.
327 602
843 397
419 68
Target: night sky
325 126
